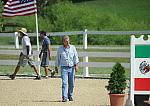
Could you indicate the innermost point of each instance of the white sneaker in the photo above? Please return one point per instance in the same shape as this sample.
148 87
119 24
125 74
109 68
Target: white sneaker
46 77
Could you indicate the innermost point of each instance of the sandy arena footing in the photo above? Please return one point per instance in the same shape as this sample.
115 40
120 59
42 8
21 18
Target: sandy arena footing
24 91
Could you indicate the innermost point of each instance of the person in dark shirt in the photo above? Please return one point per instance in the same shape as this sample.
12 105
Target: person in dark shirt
45 54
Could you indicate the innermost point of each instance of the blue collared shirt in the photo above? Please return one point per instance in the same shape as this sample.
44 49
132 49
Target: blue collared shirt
45 43
66 56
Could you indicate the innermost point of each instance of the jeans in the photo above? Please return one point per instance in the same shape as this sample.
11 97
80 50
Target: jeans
68 79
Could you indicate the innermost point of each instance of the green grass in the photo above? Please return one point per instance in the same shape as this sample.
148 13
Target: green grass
27 70
6 40
79 50
8 69
110 59
105 50
8 57
137 10
106 71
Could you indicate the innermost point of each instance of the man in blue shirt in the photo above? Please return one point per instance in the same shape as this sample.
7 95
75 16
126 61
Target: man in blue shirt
46 51
67 59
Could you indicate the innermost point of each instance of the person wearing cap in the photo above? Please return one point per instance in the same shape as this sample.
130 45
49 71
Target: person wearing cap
45 54
25 55
67 59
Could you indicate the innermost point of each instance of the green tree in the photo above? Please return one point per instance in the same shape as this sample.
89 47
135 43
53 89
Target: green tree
4 1
117 82
1 18
42 5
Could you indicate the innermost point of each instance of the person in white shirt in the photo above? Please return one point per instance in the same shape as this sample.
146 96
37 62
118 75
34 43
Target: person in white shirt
25 55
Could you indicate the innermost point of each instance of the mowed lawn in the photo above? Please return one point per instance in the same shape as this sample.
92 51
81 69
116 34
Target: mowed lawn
27 70
134 10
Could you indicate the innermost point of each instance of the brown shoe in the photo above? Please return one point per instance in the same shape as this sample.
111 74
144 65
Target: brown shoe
64 99
70 99
12 77
37 78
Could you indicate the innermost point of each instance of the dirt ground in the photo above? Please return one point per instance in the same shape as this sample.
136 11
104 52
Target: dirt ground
25 91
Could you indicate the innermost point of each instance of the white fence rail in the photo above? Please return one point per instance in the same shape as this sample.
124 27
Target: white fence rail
87 32
81 54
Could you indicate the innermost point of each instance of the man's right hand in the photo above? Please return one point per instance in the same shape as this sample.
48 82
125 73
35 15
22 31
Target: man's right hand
56 69
40 55
21 54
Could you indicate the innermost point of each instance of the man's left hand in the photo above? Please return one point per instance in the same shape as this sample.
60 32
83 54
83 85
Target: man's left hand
49 57
76 68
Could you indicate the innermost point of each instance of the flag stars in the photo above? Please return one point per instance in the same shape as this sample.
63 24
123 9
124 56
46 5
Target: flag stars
25 1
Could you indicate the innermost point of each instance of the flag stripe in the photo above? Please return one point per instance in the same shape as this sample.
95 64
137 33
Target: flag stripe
20 8
20 5
21 12
15 8
142 84
142 51
8 15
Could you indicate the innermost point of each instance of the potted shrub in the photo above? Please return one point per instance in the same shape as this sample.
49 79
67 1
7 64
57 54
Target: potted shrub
116 85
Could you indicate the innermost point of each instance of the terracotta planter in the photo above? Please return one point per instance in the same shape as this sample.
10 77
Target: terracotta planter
116 99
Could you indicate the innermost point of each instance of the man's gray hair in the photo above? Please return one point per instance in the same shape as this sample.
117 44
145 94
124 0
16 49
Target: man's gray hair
65 37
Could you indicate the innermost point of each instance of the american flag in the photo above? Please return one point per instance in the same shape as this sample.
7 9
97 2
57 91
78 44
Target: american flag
19 8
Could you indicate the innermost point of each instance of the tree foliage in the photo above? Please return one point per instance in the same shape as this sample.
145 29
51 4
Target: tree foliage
1 18
117 82
4 1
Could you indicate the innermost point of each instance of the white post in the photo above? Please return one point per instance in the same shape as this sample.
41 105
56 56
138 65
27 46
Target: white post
37 37
132 45
85 69
85 59
85 39
16 40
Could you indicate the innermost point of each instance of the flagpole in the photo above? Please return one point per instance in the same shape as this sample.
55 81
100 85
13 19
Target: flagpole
37 38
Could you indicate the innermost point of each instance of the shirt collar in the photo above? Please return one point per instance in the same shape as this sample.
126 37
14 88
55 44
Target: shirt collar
45 36
67 47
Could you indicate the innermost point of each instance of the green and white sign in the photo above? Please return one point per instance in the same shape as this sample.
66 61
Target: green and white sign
140 66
